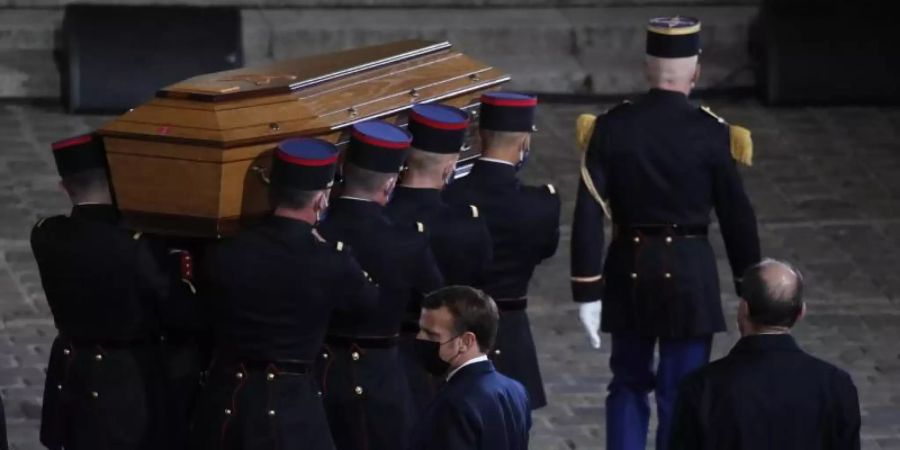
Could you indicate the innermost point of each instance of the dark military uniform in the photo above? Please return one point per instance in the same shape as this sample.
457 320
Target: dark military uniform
275 287
365 385
458 236
767 393
104 289
660 166
524 225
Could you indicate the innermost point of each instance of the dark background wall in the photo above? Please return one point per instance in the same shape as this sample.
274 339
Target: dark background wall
564 46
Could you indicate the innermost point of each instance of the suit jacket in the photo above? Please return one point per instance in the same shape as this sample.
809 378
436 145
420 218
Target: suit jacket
477 409
660 163
767 394
523 222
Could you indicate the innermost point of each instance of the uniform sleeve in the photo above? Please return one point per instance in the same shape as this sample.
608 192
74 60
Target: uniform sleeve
737 219
587 225
428 277
551 242
686 432
354 289
846 430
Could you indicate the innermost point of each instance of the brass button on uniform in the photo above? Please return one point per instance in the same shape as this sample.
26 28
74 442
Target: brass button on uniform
227 412
270 376
668 239
324 355
355 356
239 375
271 412
58 387
98 357
358 390
497 351
633 275
95 394
637 240
668 275
66 351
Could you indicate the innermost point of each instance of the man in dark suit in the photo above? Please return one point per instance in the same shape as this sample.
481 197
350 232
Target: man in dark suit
367 397
524 226
458 236
105 290
767 393
477 408
657 168
275 286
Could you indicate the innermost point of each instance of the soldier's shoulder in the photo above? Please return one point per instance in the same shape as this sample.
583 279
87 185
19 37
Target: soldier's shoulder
710 117
620 110
542 192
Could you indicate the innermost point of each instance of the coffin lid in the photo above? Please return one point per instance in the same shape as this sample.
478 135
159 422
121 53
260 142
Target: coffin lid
304 97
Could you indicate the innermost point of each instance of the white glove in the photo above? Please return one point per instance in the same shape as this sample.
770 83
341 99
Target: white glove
589 313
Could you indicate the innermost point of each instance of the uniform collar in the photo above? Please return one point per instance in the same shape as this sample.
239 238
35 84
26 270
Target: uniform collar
287 224
766 343
666 96
96 212
357 207
494 171
418 195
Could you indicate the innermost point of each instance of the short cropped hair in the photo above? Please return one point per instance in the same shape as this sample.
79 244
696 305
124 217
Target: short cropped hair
775 303
358 179
472 310
85 183
282 197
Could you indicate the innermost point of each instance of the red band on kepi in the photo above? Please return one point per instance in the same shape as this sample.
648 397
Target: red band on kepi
379 146
438 128
508 111
305 164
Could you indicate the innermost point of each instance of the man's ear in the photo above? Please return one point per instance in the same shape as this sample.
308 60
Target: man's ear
696 74
469 339
802 312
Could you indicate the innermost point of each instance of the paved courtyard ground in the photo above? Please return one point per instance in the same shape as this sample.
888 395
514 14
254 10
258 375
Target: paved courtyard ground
826 186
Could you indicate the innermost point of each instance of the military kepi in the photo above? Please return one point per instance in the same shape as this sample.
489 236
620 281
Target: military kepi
378 146
673 37
79 154
438 128
304 164
508 111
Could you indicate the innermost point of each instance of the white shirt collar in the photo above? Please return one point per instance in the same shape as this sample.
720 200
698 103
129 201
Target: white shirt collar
355 198
474 360
499 161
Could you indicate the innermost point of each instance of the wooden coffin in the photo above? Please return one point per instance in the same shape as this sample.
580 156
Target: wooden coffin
194 160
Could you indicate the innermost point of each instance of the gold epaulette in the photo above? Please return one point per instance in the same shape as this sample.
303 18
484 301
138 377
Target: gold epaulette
741 142
584 128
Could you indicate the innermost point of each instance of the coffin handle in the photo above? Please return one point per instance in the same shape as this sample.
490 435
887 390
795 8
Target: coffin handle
261 172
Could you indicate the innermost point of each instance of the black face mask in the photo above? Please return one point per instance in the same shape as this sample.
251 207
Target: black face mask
428 353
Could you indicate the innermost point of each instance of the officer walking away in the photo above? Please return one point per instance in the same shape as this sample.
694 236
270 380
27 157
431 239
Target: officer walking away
524 226
477 408
767 393
458 236
276 285
367 397
103 286
658 167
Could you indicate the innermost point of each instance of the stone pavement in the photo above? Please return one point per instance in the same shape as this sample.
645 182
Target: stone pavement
826 186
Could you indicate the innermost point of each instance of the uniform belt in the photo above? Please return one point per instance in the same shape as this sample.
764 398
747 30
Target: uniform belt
363 342
512 304
283 366
685 231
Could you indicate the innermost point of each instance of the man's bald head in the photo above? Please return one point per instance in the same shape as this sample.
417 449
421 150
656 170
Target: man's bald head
773 291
